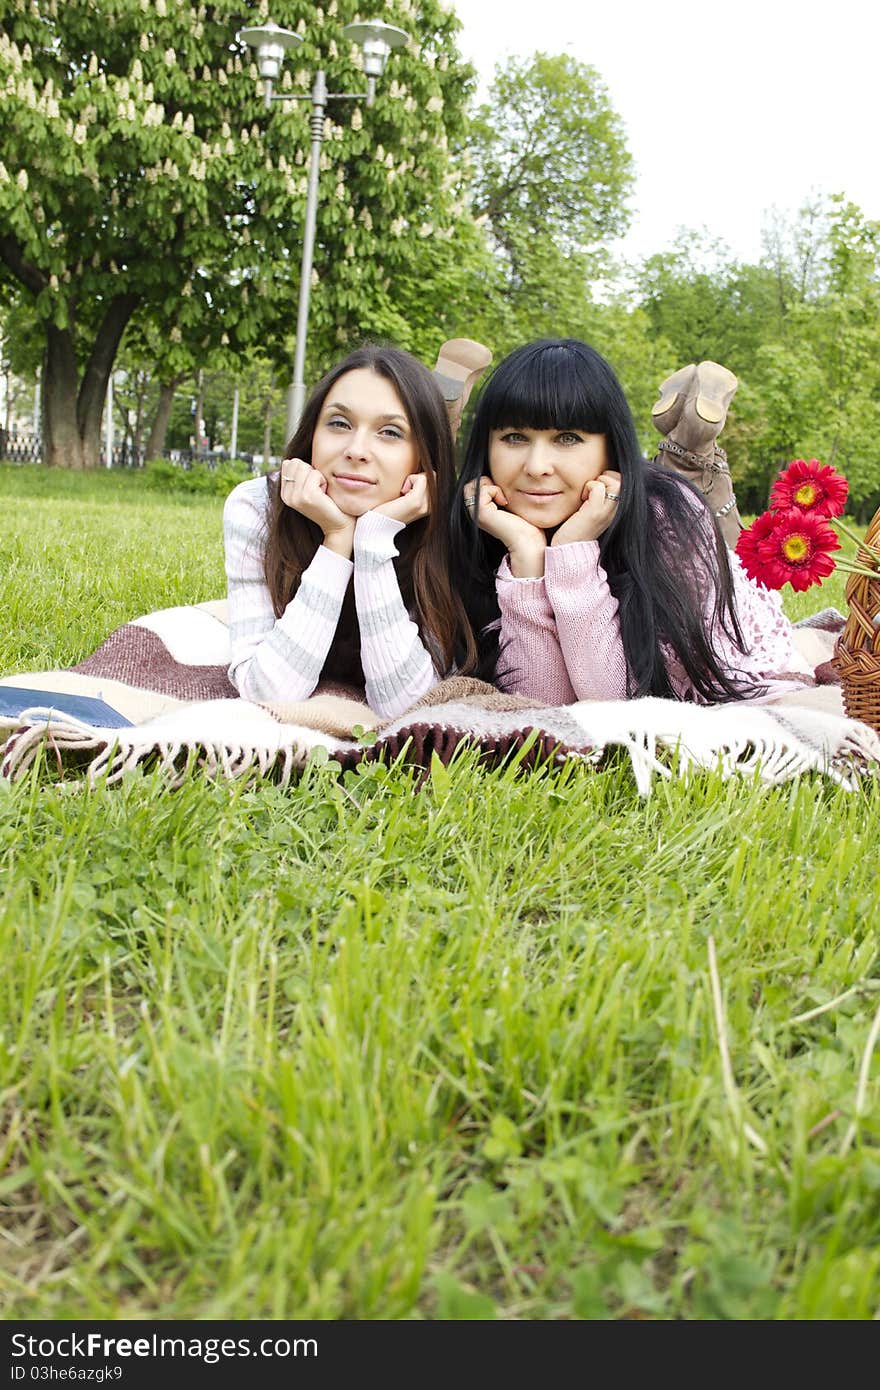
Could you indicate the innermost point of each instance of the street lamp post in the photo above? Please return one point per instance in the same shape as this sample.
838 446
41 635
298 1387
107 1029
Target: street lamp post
376 40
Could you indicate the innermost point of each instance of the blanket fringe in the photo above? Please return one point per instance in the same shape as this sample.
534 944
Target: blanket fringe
844 754
174 760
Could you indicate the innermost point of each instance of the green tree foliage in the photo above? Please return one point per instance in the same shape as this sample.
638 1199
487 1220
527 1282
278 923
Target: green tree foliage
708 306
552 175
814 389
802 332
261 403
140 174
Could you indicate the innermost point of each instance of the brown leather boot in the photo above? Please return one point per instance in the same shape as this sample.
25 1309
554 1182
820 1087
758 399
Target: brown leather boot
691 413
460 362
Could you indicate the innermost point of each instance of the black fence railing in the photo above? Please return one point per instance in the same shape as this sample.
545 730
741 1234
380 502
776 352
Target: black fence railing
20 448
188 458
26 447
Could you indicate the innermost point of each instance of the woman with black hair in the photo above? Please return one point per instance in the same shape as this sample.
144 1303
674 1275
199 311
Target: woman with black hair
589 573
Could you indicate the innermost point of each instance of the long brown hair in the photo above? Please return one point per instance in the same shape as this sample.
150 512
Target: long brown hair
422 565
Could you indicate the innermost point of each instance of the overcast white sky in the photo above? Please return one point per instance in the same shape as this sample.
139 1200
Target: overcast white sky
728 110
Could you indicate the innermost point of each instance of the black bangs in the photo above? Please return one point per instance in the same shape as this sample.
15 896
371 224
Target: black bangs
551 385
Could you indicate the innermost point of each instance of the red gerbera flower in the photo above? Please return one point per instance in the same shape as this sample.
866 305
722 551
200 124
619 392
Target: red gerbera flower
797 550
748 542
811 487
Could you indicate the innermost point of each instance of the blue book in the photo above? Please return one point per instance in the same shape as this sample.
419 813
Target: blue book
15 698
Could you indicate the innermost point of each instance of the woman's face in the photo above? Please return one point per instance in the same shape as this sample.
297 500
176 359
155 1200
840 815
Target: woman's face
362 442
542 472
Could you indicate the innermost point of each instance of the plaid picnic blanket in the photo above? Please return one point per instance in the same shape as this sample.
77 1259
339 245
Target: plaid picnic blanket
155 694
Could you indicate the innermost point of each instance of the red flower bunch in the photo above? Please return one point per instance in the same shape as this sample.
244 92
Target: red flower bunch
813 487
796 550
793 541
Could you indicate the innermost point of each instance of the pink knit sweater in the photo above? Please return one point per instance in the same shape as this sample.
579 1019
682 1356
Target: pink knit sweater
560 635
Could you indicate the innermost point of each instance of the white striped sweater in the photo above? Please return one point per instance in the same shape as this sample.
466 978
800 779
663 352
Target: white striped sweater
281 659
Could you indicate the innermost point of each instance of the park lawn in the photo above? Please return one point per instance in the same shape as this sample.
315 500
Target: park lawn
494 1044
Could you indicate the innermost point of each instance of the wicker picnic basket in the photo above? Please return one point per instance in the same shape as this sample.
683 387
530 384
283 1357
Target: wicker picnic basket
857 654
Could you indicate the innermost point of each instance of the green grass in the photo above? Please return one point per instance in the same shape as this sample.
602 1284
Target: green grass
377 1048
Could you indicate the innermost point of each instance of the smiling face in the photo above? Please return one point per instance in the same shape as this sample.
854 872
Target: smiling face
542 472
363 443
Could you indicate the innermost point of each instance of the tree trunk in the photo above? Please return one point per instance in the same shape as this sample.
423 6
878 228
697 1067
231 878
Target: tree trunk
142 381
159 428
200 405
93 391
62 444
267 435
72 417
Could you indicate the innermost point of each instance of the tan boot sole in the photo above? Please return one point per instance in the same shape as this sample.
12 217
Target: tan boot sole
672 391
459 362
716 387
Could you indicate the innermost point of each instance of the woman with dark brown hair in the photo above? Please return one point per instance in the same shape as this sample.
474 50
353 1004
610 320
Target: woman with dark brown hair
338 566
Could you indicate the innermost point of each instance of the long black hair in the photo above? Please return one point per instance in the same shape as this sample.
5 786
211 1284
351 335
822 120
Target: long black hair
660 574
